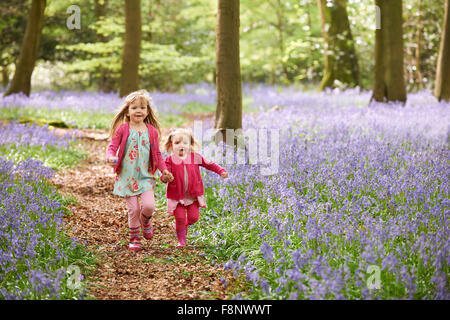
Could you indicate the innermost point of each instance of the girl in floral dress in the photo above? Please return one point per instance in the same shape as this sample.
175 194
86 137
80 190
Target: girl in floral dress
135 155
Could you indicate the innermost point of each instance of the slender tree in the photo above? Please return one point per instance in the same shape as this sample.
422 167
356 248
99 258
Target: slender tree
105 83
228 72
389 84
341 62
442 87
21 81
154 6
132 47
418 78
14 16
280 27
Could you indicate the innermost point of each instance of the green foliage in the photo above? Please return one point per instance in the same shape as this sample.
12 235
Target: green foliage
422 34
13 15
47 255
280 42
63 118
167 59
240 236
75 119
52 157
196 108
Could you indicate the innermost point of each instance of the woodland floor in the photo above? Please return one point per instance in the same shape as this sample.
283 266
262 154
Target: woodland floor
99 219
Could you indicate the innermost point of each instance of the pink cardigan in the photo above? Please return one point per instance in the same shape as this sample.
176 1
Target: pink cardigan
176 188
119 141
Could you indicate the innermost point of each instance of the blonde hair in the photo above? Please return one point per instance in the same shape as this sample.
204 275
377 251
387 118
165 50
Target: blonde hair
188 133
121 117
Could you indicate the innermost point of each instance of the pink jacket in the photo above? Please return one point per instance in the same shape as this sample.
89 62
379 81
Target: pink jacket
176 189
119 141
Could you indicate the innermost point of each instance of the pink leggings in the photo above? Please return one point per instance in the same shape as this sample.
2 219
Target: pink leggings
183 220
137 213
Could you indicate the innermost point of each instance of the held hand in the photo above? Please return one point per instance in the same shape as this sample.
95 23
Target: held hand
167 176
164 178
112 161
224 174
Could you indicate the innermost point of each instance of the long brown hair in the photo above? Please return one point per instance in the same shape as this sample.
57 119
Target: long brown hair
121 117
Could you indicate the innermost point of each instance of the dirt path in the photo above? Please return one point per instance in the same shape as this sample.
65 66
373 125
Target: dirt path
159 271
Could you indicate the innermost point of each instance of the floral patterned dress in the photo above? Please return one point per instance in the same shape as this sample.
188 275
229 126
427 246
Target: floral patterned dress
135 177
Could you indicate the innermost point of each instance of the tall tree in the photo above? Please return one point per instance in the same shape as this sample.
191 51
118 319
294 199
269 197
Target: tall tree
228 70
389 81
105 82
132 47
414 31
21 81
442 87
13 17
341 62
280 27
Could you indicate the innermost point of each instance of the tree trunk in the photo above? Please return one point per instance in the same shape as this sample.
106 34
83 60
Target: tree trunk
5 76
389 81
442 87
228 73
100 13
105 83
280 28
154 7
418 79
21 81
132 47
341 62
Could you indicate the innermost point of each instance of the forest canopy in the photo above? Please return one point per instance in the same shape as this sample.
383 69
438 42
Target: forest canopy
281 42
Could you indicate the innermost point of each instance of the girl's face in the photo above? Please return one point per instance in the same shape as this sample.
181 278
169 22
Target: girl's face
137 111
181 144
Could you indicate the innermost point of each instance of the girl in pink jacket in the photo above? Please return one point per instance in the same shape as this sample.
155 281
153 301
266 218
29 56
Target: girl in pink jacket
185 193
134 153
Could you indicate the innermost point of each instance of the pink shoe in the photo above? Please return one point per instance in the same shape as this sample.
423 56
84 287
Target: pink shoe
135 246
148 231
181 235
135 240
